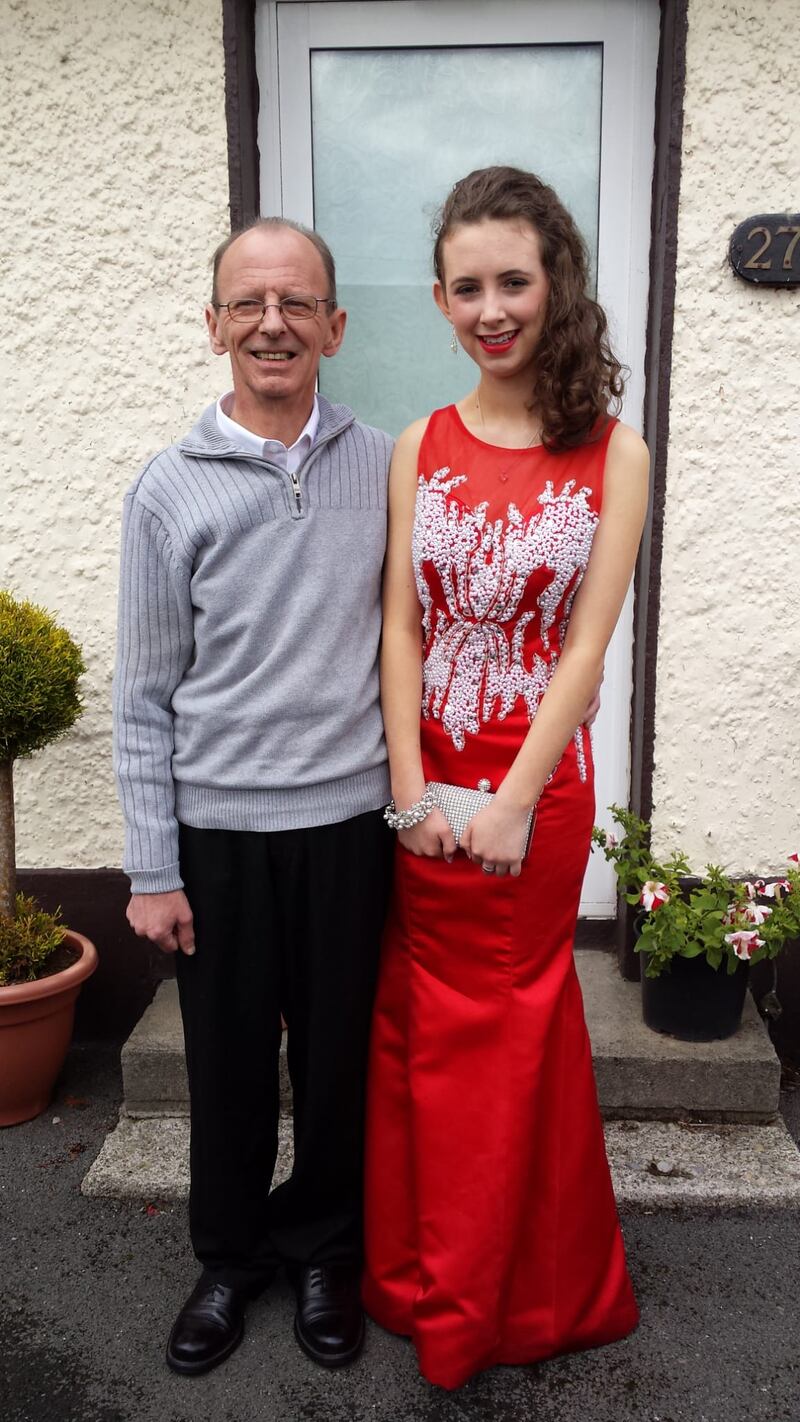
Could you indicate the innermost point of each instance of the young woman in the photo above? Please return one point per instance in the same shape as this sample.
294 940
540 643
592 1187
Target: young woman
515 517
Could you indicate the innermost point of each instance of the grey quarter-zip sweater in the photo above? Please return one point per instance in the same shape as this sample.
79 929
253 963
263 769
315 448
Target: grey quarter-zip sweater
246 688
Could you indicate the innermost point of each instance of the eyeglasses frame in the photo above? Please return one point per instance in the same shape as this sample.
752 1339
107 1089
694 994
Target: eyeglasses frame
277 305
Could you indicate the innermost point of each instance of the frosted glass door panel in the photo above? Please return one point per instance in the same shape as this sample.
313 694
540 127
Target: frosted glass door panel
371 109
392 130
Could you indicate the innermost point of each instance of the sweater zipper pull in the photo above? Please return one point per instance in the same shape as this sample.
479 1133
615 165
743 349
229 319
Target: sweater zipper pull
296 491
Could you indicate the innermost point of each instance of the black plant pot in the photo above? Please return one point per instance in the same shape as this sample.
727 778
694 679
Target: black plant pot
693 1001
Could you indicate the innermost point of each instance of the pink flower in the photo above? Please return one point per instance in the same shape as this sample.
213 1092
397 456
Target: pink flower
653 895
750 889
612 840
774 891
744 942
795 858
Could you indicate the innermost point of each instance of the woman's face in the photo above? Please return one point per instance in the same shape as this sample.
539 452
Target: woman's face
495 292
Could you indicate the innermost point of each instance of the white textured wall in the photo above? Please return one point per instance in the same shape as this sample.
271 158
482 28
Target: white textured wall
114 191
727 785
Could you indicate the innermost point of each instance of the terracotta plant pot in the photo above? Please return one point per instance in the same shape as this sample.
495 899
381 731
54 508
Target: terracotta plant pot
35 1031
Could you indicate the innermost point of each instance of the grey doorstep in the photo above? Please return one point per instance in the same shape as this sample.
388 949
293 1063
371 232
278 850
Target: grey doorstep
654 1164
686 1124
641 1075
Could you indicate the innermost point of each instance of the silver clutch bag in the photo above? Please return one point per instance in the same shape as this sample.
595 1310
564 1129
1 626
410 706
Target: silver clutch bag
459 805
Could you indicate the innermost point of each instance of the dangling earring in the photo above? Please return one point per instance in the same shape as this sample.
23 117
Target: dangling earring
453 341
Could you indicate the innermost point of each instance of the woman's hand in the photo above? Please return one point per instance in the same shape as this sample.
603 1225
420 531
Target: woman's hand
433 838
495 838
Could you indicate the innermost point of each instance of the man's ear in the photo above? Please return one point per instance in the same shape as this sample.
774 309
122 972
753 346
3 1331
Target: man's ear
214 324
336 324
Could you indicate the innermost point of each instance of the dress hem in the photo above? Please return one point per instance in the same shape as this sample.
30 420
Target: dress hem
498 1356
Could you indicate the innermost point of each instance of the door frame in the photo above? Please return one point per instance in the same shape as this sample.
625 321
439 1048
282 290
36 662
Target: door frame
241 109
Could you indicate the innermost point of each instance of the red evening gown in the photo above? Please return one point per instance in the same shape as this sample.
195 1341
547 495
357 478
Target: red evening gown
491 1228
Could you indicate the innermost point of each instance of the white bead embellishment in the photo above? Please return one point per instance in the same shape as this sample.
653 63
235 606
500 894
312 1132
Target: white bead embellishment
472 670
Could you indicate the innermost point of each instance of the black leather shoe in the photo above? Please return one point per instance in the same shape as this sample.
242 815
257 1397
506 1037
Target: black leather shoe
208 1328
329 1323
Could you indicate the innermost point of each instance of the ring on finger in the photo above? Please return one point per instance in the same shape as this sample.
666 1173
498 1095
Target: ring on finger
487 868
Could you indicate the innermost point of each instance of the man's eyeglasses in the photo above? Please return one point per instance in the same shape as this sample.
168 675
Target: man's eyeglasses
292 308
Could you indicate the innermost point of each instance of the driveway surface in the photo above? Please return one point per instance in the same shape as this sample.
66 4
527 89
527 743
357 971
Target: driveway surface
90 1288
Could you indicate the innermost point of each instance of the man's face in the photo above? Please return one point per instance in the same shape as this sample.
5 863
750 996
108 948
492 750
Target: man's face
275 359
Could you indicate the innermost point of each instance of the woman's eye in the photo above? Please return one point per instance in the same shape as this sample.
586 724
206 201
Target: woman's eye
516 282
466 290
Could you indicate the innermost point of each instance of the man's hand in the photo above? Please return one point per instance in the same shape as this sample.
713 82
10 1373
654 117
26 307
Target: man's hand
594 706
166 919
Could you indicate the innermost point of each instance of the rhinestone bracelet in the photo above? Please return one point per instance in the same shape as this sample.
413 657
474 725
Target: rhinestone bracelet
414 815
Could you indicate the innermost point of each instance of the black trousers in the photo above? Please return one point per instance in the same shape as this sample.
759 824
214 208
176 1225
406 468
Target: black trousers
287 922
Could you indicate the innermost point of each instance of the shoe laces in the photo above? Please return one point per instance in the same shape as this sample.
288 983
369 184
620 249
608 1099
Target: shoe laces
328 1280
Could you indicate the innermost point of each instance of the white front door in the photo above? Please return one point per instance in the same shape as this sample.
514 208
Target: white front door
369 113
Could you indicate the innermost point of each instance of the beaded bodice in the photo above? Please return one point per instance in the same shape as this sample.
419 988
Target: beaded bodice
500 545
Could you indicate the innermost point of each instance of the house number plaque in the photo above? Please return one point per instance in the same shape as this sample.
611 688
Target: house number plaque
766 249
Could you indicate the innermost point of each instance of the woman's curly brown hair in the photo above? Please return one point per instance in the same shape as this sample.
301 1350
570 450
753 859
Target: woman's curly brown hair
578 377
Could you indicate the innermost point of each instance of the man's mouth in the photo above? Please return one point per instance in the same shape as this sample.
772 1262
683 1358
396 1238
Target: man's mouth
503 341
273 355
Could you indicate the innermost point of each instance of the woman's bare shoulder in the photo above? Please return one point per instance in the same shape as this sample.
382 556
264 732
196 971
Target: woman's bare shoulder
626 482
409 441
626 447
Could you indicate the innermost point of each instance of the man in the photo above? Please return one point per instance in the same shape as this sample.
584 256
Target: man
252 772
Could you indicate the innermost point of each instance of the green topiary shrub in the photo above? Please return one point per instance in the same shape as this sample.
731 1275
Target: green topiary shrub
39 670
40 666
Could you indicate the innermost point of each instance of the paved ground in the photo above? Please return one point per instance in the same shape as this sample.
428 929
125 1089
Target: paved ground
89 1289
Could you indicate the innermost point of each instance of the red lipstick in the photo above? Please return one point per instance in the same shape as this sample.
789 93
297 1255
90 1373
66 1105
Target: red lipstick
498 347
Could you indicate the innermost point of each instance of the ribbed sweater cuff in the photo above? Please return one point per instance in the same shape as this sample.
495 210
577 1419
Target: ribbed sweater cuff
155 881
298 807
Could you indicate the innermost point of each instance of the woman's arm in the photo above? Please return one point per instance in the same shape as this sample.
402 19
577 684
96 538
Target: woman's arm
401 653
495 835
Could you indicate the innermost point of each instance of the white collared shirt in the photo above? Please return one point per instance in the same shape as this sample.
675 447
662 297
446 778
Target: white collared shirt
272 449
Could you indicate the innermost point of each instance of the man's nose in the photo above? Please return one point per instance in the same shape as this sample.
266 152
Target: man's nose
272 322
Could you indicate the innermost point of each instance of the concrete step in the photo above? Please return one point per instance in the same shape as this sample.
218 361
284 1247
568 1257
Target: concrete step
641 1075
654 1164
